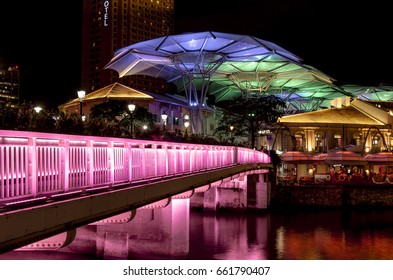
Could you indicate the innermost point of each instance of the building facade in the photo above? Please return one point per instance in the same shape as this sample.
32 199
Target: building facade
109 25
348 143
9 84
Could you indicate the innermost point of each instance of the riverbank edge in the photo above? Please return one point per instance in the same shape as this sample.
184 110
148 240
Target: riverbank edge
330 196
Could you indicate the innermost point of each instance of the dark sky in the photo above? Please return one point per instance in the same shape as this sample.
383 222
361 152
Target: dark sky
351 43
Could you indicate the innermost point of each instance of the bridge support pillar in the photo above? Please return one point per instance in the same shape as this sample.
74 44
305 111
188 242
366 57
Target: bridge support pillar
233 194
210 199
116 245
230 193
258 191
162 231
262 192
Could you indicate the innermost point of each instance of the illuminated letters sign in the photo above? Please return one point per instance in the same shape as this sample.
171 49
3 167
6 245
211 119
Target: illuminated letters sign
106 6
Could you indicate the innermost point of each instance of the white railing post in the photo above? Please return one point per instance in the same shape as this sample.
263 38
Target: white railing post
166 161
128 160
235 155
143 163
90 161
156 155
111 158
65 164
33 165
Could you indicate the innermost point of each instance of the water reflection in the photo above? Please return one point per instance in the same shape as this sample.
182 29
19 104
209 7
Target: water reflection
321 235
333 235
228 236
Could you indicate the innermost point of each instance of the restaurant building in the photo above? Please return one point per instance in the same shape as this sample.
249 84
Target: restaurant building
347 143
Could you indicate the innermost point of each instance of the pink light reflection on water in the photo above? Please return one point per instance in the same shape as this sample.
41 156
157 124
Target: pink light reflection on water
325 235
229 236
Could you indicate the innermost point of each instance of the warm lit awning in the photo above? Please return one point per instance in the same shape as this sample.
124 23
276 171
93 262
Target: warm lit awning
382 158
345 157
296 157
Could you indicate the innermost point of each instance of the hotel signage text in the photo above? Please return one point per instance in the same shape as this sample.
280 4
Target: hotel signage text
106 6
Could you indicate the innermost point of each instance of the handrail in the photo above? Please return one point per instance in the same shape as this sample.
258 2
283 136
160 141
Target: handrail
35 164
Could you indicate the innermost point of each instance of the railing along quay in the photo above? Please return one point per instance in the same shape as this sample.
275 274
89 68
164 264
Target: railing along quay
37 166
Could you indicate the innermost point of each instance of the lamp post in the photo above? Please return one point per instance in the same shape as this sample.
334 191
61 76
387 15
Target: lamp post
81 95
260 139
37 109
186 125
131 107
164 118
231 127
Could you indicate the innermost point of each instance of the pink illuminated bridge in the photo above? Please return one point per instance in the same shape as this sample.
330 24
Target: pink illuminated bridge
51 183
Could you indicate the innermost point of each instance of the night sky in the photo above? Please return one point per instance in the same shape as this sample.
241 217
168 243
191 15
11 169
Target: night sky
351 43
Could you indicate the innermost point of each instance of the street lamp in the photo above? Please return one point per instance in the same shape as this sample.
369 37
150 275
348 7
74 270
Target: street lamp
259 142
231 127
186 122
81 96
164 118
186 125
37 109
131 107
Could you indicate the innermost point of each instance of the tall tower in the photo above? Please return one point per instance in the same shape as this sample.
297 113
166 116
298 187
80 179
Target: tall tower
112 24
9 84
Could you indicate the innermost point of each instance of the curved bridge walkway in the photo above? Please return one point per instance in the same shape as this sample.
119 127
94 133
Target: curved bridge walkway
54 183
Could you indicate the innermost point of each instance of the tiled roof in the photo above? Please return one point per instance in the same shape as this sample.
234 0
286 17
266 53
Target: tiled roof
117 90
112 91
343 115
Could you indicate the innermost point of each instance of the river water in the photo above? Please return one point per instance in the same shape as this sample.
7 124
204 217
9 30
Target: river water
310 235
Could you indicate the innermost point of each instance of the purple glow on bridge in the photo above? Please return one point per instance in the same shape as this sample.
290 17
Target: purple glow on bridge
44 164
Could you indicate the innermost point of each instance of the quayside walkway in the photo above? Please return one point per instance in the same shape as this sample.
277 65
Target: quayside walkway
53 183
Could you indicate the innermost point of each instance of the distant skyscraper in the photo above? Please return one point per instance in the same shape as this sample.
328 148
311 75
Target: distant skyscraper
9 84
110 25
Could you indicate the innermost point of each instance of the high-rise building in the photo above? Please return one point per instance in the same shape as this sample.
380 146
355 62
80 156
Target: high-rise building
9 84
112 24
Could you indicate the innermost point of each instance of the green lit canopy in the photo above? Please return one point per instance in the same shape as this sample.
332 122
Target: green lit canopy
215 66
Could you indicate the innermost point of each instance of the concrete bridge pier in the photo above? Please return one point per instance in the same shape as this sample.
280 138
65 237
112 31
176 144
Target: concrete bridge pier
241 192
229 193
162 231
258 195
232 194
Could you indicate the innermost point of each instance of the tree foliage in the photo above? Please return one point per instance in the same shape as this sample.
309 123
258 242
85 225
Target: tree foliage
24 117
250 114
113 118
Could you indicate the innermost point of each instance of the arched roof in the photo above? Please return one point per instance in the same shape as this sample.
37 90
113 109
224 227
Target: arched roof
220 66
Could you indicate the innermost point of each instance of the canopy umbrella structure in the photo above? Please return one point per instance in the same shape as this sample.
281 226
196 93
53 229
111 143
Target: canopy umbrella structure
259 76
194 56
302 87
193 59
380 93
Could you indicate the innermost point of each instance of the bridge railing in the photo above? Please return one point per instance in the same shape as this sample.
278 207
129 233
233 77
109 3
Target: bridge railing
38 164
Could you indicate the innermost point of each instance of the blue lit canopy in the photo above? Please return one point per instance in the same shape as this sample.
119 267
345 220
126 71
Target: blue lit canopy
221 66
196 56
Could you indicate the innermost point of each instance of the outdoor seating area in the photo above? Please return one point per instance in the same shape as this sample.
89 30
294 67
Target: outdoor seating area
349 144
337 178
